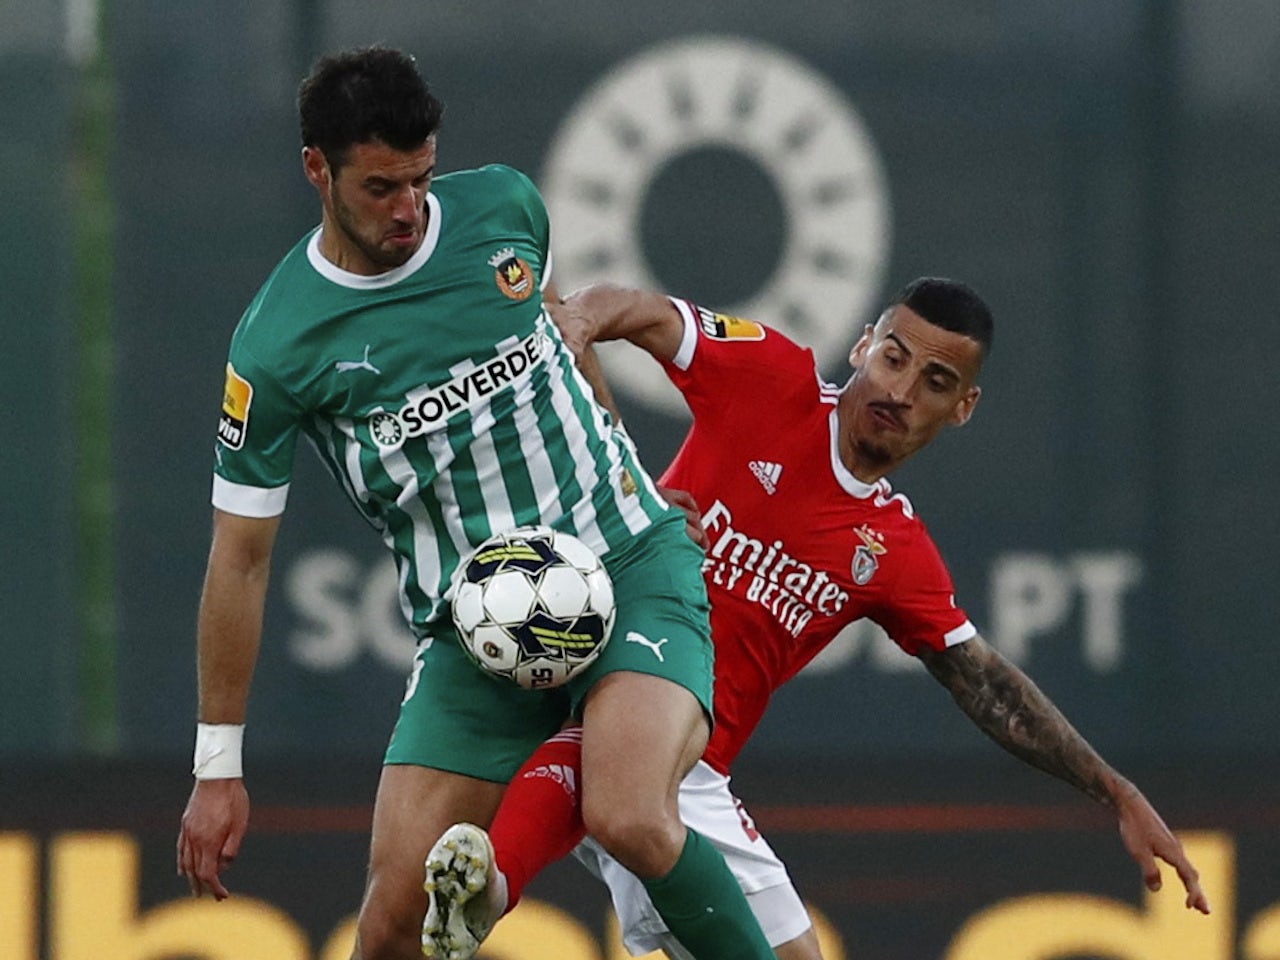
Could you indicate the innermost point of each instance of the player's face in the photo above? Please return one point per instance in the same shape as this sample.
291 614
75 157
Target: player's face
910 379
375 205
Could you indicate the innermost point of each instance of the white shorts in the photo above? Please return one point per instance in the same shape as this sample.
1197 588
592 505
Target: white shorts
706 805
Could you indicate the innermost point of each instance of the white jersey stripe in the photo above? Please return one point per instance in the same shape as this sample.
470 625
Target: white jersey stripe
641 476
611 450
425 550
351 458
344 471
489 474
584 472
629 509
442 487
536 457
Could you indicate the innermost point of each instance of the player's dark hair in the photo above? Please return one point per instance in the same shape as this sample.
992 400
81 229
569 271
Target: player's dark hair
951 305
358 96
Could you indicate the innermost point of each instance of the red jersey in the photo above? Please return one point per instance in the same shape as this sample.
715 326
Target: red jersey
800 547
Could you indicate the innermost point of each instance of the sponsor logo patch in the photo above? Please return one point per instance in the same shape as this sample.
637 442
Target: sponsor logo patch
429 408
512 274
791 591
721 326
386 429
237 397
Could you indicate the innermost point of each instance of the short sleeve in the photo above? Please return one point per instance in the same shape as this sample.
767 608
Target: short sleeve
722 360
920 608
257 438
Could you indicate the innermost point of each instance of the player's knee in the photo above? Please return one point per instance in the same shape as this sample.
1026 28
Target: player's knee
646 842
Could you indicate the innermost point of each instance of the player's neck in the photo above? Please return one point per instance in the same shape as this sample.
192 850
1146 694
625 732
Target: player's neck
865 467
340 249
868 475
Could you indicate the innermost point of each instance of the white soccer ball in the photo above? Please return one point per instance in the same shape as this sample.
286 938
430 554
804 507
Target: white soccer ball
533 605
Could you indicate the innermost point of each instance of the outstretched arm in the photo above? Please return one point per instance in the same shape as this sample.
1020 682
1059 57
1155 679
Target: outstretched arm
1008 707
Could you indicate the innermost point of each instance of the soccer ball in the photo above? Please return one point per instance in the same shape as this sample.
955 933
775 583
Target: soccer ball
533 605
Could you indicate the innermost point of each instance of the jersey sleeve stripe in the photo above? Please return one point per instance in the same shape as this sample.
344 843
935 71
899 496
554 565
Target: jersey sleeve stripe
246 501
966 631
688 342
546 273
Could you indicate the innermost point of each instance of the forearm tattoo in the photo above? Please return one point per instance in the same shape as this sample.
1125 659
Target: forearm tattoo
1008 707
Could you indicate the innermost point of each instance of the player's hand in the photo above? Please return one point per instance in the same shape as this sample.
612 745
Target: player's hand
213 827
1146 837
683 500
575 326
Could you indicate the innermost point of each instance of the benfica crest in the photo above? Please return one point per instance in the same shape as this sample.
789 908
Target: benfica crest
866 556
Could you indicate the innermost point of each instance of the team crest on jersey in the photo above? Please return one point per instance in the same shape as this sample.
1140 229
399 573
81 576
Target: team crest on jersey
512 274
866 557
721 326
237 396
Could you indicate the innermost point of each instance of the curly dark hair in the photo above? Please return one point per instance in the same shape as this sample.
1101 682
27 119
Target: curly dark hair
358 96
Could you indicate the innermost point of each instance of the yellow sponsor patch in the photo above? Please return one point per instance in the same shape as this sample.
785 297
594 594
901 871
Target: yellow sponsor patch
721 326
237 396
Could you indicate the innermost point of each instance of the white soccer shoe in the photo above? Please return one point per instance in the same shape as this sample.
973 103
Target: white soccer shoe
465 894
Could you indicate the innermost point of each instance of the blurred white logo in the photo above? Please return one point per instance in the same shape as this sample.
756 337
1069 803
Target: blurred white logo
777 111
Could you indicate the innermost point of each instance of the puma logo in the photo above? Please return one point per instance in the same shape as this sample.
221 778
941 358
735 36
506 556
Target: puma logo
346 366
633 637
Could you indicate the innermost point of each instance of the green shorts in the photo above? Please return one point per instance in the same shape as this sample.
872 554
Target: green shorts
455 717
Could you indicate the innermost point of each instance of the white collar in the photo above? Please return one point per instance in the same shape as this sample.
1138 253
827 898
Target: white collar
358 281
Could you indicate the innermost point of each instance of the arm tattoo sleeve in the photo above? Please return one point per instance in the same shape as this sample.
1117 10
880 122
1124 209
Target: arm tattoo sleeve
1009 708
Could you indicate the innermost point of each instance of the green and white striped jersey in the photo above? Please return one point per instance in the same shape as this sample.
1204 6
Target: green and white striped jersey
439 394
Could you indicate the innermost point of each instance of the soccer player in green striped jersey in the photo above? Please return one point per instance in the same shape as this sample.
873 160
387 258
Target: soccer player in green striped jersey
406 338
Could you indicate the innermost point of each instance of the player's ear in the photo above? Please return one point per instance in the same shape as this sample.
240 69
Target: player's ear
859 350
964 407
316 167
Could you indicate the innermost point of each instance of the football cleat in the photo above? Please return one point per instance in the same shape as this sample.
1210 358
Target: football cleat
465 894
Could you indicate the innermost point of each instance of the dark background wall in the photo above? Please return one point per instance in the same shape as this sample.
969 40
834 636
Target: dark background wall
37 627
1100 173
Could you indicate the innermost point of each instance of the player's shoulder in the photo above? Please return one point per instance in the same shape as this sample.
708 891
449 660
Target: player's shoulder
496 181
894 518
273 316
749 340
492 197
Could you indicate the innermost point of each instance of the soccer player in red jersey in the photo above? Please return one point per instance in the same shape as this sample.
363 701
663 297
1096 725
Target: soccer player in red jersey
803 535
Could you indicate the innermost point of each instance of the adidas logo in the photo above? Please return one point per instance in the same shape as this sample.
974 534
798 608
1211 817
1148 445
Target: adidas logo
557 772
767 472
